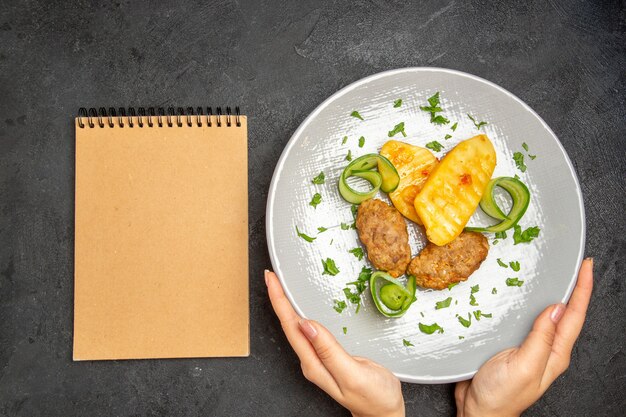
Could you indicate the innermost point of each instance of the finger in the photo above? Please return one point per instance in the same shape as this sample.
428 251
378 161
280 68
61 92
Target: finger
534 352
459 396
572 322
340 365
312 367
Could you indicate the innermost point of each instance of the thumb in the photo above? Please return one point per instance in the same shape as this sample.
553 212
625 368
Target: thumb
535 350
333 356
459 396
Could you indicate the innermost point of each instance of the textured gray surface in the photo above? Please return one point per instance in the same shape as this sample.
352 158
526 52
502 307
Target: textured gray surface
279 60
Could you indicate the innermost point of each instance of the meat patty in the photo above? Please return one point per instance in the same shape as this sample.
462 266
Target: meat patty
439 266
383 232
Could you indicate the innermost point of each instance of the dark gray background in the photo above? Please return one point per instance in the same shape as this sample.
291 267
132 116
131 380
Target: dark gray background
278 60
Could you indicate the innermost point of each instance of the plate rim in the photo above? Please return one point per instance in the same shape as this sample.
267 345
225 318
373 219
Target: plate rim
292 140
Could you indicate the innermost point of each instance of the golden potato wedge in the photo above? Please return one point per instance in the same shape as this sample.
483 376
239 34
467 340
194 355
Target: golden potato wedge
414 165
454 188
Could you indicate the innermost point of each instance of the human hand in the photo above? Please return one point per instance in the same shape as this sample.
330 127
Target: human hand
514 379
362 386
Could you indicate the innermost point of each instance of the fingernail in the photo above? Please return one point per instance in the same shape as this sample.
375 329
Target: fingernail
307 328
557 313
266 276
590 259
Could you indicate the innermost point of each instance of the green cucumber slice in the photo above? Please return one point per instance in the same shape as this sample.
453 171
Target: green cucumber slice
521 199
386 178
388 292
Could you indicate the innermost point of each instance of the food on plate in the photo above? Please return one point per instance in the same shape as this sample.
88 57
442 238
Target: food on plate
414 165
382 230
454 188
392 298
437 267
385 179
519 194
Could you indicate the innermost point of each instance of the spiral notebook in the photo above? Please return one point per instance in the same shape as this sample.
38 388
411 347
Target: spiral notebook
161 234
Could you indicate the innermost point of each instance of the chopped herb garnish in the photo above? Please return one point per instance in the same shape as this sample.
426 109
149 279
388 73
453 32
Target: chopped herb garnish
479 124
443 304
473 300
532 156
344 226
345 330
516 176
478 314
361 141
435 146
525 146
397 103
514 265
461 337
357 252
452 285
421 314
500 235
433 108
305 237
453 128
349 156
360 286
495 242
317 198
354 298
354 208
494 290
356 114
340 305
320 179
475 288
525 236
430 329
344 140
321 229
502 264
407 343
446 137
514 282
399 128
329 267
519 161
465 323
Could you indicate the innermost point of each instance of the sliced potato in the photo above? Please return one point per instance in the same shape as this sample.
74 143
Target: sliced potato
454 188
414 165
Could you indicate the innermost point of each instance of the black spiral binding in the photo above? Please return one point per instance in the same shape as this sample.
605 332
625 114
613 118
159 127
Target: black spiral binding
173 117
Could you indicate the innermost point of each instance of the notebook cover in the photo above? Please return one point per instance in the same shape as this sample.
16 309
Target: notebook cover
161 242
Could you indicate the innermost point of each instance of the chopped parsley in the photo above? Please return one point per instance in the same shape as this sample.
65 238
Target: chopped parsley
344 140
329 267
360 285
477 124
339 306
446 137
525 146
407 343
453 128
475 288
321 229
461 337
361 141
465 323
430 329
473 300
349 156
519 161
356 114
320 179
514 265
501 235
443 304
421 314
435 146
399 128
344 226
345 330
397 103
452 285
478 314
433 108
494 290
514 282
354 208
317 198
357 252
304 236
525 236
354 298
502 264
532 157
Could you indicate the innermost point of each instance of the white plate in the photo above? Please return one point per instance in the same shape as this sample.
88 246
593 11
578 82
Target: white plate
549 264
